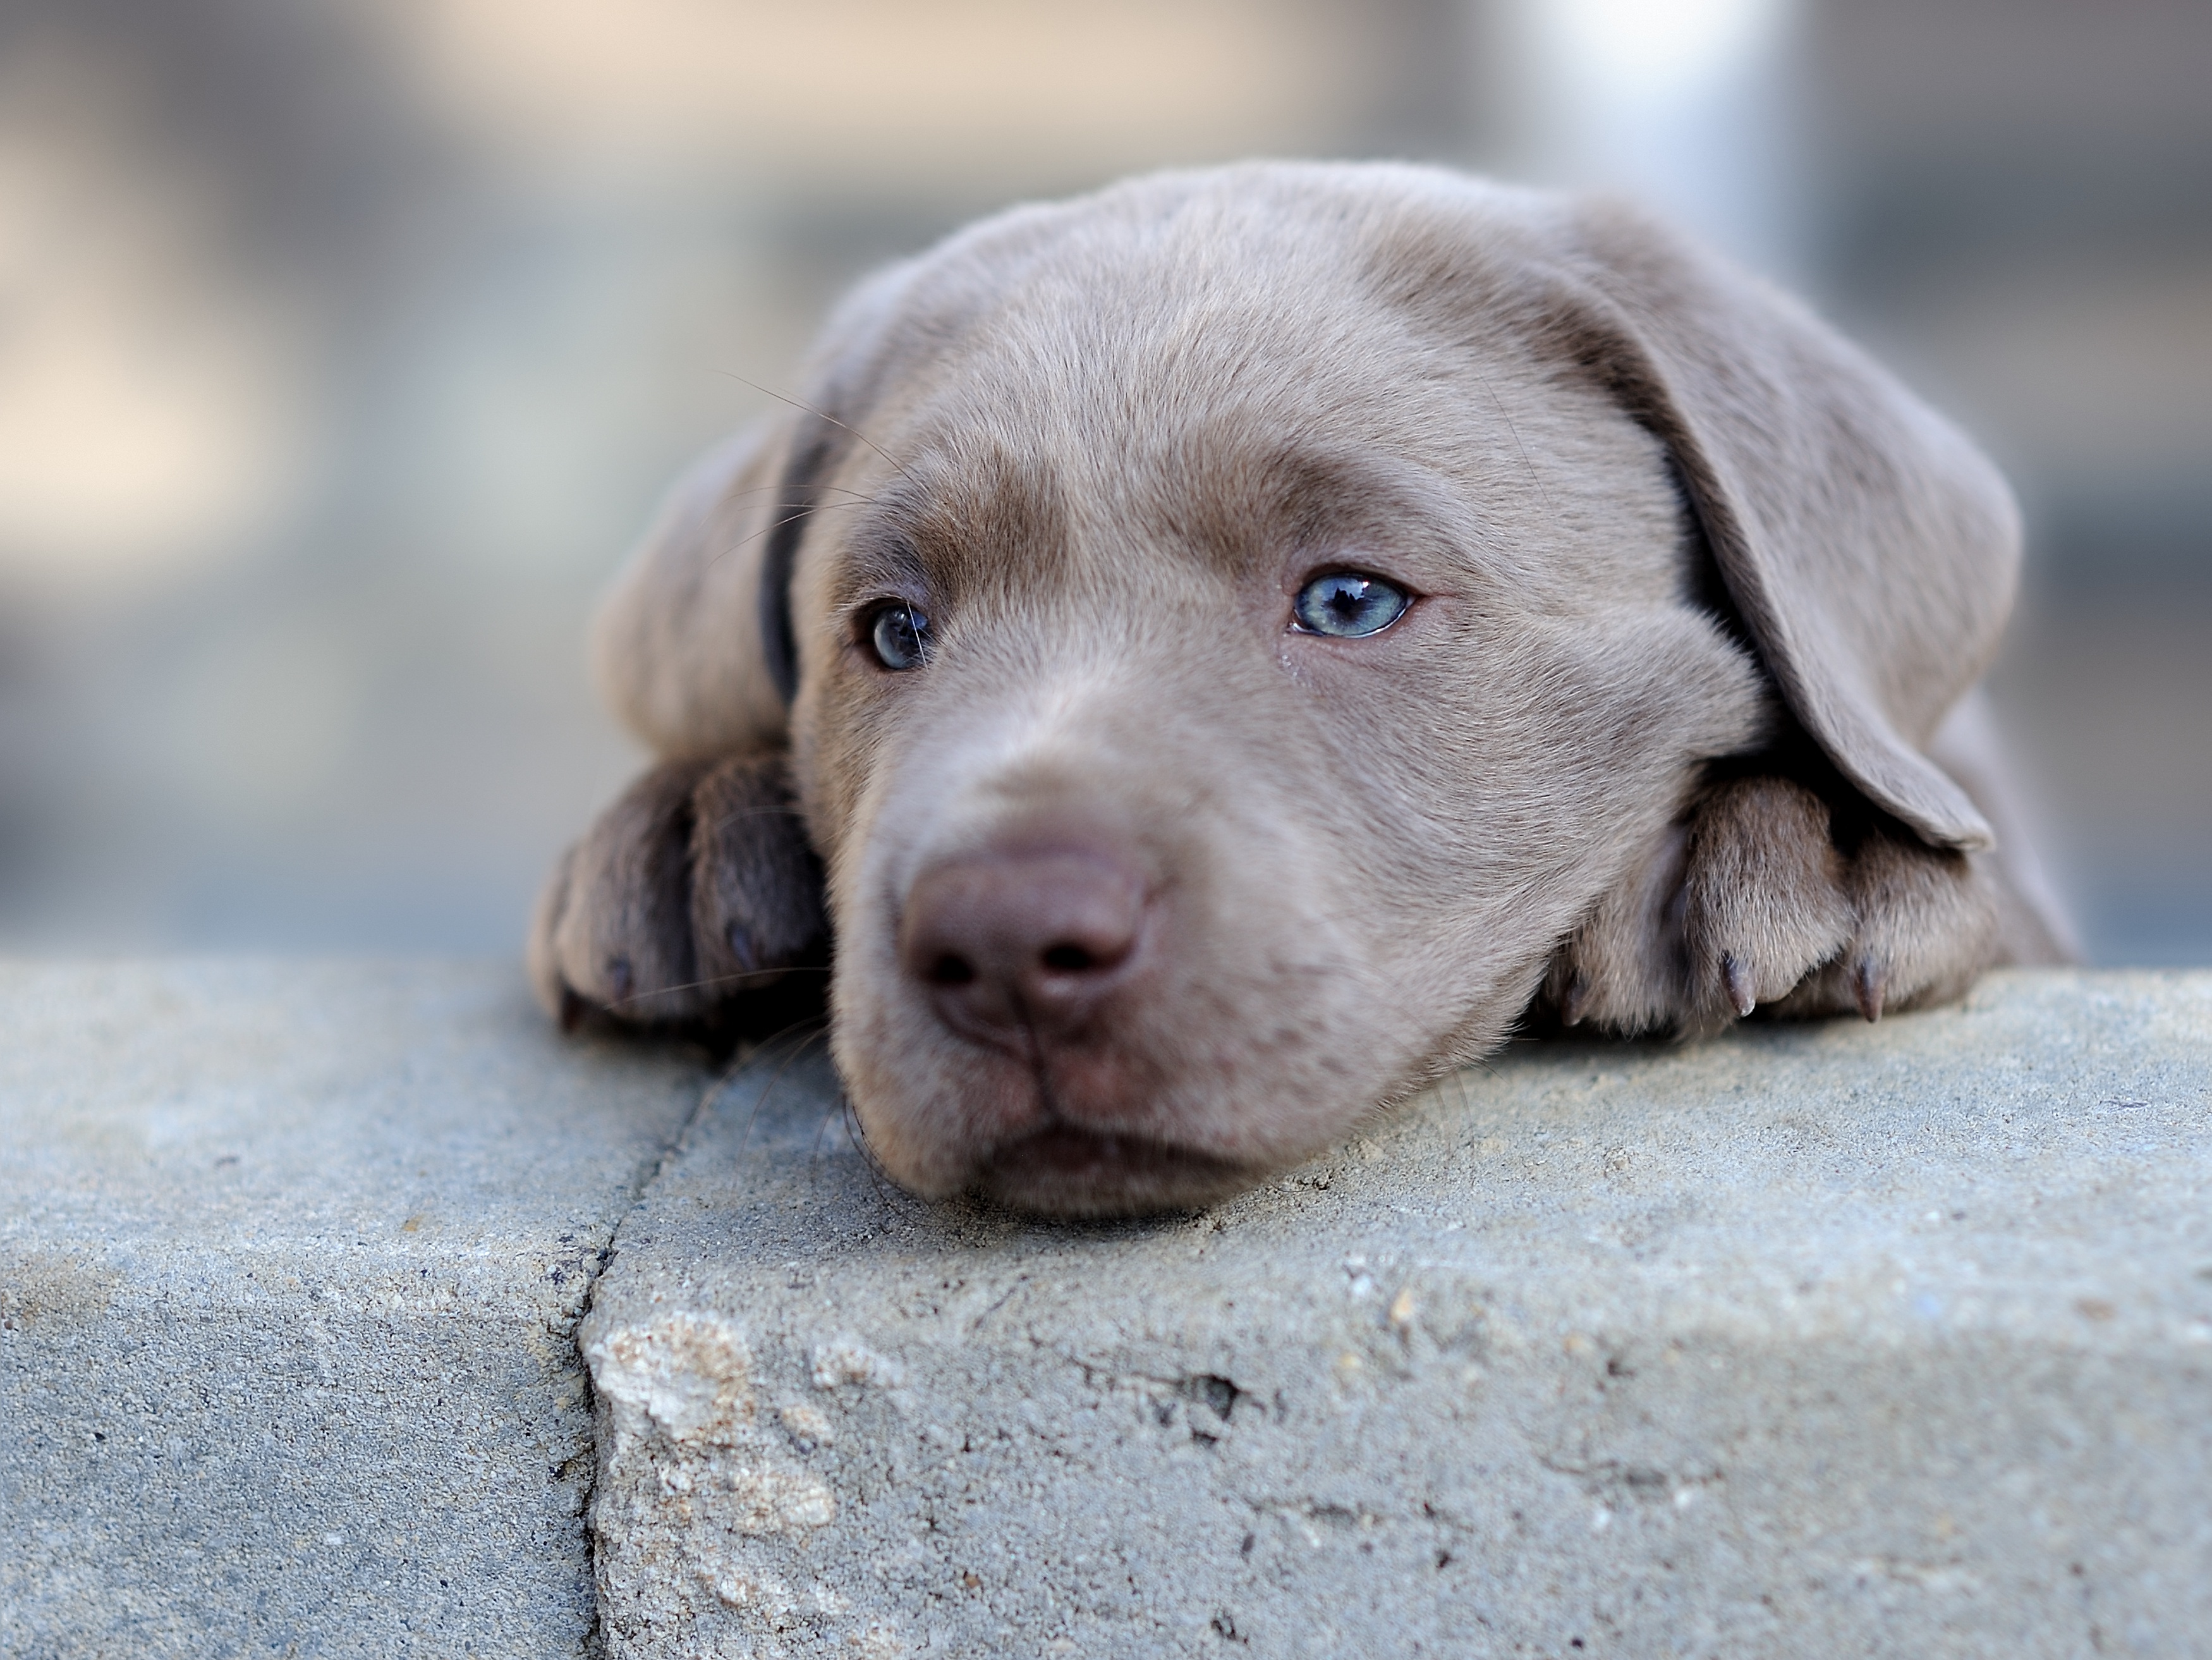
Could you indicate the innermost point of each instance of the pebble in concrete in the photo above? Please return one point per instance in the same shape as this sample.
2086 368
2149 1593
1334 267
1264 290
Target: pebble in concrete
1827 1339
291 1256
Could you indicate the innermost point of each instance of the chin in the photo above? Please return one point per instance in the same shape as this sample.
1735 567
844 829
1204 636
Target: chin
1064 1170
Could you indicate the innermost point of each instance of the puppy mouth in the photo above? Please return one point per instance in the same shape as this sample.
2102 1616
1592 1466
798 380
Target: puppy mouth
1064 1170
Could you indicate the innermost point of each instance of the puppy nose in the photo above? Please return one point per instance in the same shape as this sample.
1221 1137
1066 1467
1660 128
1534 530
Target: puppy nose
1025 939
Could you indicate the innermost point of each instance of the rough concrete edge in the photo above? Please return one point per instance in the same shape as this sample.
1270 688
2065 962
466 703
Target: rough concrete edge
672 1154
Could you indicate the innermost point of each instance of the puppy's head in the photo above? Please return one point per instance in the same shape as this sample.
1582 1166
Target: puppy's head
1232 628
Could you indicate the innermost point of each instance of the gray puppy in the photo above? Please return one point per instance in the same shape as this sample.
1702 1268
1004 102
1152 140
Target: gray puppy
1230 647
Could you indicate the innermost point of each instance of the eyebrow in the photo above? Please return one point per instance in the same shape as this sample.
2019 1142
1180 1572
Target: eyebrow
880 557
1239 506
951 522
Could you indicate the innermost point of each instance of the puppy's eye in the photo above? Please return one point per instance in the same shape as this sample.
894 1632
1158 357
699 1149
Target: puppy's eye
1349 605
898 634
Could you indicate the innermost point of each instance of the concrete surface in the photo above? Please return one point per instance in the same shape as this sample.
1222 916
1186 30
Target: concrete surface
290 1259
1820 1341
1812 1341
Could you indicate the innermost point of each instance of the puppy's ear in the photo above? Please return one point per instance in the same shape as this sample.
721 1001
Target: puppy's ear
1871 552
694 646
681 647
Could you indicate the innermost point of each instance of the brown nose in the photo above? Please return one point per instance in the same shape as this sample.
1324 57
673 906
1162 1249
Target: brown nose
1025 940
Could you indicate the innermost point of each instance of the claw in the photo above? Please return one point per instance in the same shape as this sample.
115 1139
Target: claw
1575 1003
1737 983
573 1009
1867 985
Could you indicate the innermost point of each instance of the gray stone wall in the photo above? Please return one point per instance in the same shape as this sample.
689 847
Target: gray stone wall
1828 1339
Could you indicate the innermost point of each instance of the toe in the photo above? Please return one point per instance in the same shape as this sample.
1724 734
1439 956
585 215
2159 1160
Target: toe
1764 898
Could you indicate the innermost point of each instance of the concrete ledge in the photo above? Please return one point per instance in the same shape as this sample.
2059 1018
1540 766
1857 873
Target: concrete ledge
290 1259
1816 1341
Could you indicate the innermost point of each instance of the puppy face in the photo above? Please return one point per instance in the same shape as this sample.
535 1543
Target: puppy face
1161 841
1235 640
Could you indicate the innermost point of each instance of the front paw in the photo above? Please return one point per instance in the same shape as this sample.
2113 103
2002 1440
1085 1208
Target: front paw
690 900
1750 905
1763 897
1924 925
1778 917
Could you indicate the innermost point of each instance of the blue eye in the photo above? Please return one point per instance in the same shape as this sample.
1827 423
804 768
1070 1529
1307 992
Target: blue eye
898 634
1349 605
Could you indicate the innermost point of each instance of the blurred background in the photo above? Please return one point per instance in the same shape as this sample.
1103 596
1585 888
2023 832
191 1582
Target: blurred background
343 348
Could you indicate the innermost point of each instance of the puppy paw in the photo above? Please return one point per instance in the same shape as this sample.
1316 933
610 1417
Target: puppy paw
1925 924
1764 904
1749 905
756 905
691 897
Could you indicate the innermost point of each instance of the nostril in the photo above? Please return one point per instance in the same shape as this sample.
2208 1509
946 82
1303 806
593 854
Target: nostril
1015 939
951 969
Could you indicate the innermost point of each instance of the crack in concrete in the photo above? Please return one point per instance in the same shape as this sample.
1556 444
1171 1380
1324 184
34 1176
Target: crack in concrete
632 1200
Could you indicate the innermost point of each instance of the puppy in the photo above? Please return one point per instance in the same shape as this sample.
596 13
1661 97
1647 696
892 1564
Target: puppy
1218 653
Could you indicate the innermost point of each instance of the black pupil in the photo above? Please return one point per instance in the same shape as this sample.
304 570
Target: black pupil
1348 604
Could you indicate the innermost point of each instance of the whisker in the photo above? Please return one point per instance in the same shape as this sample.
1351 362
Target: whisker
770 529
821 415
760 1100
1535 477
885 1184
718 980
780 487
842 1111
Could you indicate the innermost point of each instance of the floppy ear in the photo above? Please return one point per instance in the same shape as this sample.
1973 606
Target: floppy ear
693 646
680 646
1871 552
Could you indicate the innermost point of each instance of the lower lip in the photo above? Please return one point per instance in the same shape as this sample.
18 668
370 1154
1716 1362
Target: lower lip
1073 1171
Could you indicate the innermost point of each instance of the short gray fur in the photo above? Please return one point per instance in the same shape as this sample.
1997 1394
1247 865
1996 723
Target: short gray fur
1833 1340
291 1256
